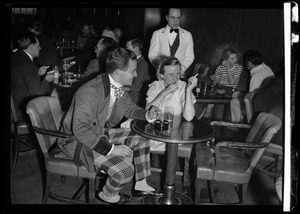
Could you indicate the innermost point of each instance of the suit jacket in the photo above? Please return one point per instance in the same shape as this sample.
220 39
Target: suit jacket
138 82
25 82
86 119
48 53
159 45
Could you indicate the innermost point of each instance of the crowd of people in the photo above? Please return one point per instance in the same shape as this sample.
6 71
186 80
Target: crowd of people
117 84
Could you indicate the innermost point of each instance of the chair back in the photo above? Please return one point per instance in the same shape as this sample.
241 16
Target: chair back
249 107
264 128
45 112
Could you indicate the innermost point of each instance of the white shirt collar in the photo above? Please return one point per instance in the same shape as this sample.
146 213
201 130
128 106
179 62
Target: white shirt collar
254 70
115 83
28 55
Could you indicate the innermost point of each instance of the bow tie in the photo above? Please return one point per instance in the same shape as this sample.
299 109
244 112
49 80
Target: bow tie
175 30
119 92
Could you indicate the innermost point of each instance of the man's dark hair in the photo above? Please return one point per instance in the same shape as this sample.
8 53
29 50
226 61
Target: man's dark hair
119 58
137 43
36 25
254 57
25 39
168 10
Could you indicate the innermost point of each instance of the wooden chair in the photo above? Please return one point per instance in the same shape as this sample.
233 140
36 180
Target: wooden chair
46 117
273 153
20 130
233 162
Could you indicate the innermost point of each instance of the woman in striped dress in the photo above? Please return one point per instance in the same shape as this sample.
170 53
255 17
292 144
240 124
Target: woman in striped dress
227 76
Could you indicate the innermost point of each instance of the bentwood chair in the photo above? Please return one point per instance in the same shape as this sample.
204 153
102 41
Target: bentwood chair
234 162
20 130
272 156
46 118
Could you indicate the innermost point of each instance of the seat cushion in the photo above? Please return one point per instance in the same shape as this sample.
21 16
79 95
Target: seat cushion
232 165
67 167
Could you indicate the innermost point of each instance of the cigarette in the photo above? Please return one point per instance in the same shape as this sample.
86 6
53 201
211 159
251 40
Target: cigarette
196 75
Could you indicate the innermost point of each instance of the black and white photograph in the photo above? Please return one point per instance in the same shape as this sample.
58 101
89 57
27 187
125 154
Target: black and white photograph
140 104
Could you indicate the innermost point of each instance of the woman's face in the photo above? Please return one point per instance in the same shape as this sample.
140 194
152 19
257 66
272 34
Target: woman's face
171 75
232 59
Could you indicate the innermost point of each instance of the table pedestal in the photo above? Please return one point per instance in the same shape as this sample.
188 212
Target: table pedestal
178 199
170 196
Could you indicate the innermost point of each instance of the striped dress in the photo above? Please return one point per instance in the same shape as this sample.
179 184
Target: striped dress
221 74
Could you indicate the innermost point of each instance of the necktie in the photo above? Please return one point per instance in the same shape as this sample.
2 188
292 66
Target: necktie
119 92
175 30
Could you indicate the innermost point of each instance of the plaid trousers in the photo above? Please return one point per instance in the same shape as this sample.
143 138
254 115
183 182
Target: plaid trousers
120 169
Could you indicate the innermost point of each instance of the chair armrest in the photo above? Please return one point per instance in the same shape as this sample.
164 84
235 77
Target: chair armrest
240 145
237 145
52 133
237 125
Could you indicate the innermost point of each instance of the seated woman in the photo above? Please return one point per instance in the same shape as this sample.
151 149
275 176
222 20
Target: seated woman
226 77
169 90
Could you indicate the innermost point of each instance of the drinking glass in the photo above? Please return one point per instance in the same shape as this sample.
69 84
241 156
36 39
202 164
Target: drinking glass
168 117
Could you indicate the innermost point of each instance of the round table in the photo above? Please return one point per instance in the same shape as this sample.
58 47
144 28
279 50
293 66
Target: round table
195 131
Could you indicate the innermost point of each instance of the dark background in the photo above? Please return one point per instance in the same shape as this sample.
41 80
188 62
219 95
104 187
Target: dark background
213 27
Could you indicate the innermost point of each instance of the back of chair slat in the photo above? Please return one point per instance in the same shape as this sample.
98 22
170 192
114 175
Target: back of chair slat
45 112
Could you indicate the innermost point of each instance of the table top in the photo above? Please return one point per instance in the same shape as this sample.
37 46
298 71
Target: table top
183 131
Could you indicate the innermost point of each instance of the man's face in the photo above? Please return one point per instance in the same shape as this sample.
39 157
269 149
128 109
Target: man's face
99 48
174 18
130 47
35 48
171 75
127 75
86 30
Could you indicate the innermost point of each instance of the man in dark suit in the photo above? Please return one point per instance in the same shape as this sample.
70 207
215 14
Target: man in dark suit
97 107
48 54
137 91
25 75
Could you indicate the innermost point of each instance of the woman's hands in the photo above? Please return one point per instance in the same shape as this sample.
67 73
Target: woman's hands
192 83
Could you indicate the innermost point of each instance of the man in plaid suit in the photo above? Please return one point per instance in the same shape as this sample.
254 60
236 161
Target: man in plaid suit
97 107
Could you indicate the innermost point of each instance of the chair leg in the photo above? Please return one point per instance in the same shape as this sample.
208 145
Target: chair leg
198 191
210 191
244 193
47 188
15 149
186 177
82 188
92 185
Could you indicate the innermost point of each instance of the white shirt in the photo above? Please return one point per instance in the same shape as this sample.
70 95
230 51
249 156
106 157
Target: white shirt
28 55
258 75
112 101
171 36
